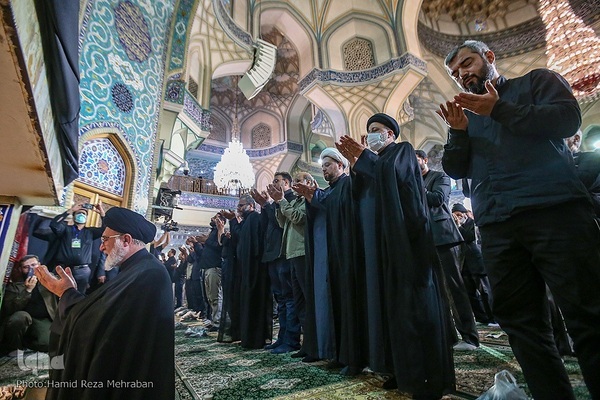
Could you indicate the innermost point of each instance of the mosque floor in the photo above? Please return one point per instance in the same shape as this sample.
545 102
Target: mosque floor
206 369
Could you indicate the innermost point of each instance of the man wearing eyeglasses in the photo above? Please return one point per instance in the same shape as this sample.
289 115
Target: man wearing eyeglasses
27 310
118 342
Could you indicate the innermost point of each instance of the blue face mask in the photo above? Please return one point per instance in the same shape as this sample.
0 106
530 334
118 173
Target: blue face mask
376 140
80 218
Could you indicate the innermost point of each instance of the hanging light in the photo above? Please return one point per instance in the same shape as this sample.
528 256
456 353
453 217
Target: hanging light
572 47
234 172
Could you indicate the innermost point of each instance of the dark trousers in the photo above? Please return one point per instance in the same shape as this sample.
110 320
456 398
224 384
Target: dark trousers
196 294
179 280
280 272
557 246
461 307
22 331
480 296
298 286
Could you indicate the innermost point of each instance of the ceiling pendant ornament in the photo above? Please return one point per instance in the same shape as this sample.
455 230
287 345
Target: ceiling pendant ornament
234 173
572 47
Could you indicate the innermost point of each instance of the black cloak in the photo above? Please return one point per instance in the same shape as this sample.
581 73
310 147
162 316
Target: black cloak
118 342
417 329
256 309
346 275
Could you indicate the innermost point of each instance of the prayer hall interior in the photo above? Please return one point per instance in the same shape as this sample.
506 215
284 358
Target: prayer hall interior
134 103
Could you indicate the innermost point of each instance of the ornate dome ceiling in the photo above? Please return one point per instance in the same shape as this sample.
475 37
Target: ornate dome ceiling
510 27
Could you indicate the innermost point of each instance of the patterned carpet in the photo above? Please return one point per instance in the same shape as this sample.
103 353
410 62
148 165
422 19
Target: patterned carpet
207 368
226 371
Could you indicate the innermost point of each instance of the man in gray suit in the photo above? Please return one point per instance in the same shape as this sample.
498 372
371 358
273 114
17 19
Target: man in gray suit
447 240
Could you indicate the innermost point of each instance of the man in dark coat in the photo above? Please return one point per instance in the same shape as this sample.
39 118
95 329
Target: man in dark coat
118 342
448 239
535 218
74 241
417 329
256 312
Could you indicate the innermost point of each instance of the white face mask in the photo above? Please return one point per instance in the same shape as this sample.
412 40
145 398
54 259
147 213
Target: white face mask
80 218
376 140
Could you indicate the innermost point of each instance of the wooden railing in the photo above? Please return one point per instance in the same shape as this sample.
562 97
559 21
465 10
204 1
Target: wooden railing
200 185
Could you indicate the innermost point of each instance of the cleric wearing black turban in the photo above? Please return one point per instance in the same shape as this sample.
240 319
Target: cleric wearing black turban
408 332
123 331
123 220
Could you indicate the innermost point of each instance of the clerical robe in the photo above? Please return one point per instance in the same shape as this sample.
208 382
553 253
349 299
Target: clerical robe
417 328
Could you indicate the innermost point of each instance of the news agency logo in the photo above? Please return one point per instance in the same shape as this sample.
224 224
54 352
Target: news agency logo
39 362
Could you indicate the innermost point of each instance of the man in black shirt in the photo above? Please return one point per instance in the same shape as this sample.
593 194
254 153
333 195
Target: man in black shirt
534 214
448 239
75 241
171 263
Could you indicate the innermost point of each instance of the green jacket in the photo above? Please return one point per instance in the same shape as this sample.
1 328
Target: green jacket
291 216
15 298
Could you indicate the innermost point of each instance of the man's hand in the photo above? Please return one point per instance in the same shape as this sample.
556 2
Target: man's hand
229 214
220 226
99 208
75 208
305 190
258 197
101 279
30 283
350 148
481 104
58 286
192 239
276 193
202 238
453 115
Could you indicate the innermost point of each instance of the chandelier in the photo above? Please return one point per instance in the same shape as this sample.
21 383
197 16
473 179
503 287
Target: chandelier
234 172
572 47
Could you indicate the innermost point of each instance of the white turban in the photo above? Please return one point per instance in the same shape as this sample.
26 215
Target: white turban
334 153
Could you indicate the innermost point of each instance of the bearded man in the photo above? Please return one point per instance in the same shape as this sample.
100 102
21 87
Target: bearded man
118 342
534 215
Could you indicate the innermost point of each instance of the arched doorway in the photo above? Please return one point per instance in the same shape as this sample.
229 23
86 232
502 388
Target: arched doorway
105 174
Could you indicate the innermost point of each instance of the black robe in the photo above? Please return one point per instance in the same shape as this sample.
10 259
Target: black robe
346 275
231 278
364 188
256 308
121 334
417 328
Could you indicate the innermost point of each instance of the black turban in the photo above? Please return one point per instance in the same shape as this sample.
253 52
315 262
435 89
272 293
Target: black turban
387 121
459 207
123 220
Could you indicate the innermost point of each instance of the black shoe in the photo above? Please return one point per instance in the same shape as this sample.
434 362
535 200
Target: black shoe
271 346
213 329
310 359
299 354
390 384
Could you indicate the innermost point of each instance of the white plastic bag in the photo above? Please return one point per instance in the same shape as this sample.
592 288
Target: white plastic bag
505 388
